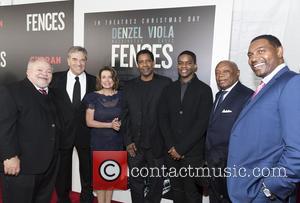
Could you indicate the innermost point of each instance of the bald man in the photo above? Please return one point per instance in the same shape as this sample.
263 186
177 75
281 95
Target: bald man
29 137
227 106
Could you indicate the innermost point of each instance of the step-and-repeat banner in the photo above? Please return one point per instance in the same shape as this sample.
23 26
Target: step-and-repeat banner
114 38
34 30
111 38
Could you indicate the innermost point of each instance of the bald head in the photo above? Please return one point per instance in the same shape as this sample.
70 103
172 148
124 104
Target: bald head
227 73
39 72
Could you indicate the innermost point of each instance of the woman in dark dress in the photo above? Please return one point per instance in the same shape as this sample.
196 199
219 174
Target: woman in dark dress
102 115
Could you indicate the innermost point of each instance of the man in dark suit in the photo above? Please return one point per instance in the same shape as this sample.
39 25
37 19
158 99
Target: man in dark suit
29 130
70 87
228 103
184 113
140 127
264 142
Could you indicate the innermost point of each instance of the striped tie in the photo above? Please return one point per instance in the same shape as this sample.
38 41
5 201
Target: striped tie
259 87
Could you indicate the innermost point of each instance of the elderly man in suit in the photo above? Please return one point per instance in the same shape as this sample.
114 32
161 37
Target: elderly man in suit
264 146
70 87
228 103
29 130
184 113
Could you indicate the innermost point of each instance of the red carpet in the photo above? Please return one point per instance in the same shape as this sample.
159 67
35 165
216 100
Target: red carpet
74 197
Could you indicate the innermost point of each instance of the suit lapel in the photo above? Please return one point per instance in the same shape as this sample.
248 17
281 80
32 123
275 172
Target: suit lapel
263 91
177 93
89 84
228 99
189 90
63 86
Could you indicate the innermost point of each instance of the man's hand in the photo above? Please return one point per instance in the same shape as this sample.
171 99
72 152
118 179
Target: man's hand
131 149
174 154
12 166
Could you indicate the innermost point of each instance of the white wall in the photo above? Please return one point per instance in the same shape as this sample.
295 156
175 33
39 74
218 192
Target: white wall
255 17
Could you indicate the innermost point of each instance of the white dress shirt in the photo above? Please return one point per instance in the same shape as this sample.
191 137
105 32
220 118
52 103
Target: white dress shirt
71 81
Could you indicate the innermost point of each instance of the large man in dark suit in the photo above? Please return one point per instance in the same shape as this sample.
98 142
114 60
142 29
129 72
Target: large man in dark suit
184 113
264 143
29 130
229 101
70 87
140 127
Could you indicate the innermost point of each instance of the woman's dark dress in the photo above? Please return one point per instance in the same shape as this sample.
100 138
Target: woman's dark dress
106 109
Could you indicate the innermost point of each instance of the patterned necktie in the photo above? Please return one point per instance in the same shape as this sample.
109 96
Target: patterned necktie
76 93
219 98
43 91
259 87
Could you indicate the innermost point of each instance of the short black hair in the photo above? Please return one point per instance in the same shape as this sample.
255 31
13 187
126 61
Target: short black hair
190 53
274 41
144 51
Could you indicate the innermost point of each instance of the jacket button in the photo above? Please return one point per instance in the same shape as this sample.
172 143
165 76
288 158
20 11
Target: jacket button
52 125
180 112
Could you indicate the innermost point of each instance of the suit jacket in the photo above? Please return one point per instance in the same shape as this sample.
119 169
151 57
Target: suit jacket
29 127
220 123
266 134
184 124
132 112
75 131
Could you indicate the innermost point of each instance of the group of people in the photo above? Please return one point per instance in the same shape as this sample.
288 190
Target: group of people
158 122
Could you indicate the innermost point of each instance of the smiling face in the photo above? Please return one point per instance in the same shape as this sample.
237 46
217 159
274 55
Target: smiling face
145 66
39 73
263 57
186 67
106 80
226 74
77 61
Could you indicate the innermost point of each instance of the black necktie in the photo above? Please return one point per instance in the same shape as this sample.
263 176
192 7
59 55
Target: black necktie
76 93
219 98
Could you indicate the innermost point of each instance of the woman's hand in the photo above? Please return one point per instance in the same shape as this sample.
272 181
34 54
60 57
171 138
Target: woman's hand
116 124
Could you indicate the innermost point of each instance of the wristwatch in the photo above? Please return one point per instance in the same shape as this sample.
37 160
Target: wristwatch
267 192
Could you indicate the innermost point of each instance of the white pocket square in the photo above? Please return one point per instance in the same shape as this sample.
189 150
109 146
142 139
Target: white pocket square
226 111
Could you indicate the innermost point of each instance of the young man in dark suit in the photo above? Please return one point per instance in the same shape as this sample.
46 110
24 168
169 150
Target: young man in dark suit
140 127
70 87
184 113
29 136
229 101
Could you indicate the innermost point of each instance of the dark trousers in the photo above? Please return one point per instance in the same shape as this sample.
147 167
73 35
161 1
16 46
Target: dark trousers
30 188
145 158
185 189
64 177
217 190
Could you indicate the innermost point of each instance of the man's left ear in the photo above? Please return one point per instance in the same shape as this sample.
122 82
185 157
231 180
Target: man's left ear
280 52
196 67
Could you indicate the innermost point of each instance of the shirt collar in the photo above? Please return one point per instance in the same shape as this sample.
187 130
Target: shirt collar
72 75
231 87
273 73
45 88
